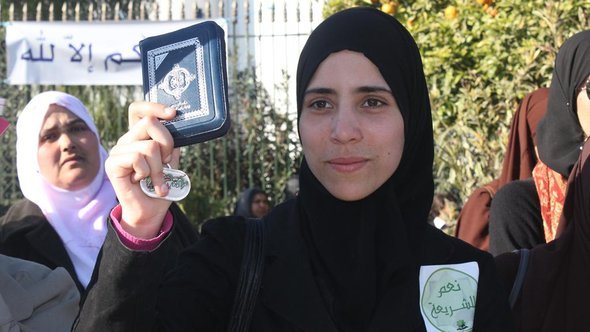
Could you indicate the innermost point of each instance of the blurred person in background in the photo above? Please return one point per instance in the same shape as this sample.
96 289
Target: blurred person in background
443 212
252 203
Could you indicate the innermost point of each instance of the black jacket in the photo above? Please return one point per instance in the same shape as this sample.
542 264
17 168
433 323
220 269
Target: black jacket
198 293
25 233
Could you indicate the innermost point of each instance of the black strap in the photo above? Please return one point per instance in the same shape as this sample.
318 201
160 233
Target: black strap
250 277
519 279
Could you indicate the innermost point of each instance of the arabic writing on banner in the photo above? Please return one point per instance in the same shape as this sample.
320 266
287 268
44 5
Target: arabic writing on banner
81 53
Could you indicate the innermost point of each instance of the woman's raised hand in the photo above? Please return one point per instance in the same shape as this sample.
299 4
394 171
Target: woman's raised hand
141 152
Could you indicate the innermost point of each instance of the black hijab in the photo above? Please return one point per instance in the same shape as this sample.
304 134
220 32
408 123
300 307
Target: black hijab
559 135
358 248
244 204
555 292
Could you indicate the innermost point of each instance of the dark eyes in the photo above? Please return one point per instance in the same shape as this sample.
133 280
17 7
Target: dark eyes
369 102
48 137
320 104
372 102
54 135
78 128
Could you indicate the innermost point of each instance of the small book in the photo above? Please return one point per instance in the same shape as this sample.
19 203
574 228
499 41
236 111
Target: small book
186 69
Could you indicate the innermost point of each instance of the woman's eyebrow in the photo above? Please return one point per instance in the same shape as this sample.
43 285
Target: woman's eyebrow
322 91
68 124
44 130
361 89
366 89
75 122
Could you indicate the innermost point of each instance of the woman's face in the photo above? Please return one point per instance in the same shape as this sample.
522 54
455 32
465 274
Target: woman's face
68 150
259 205
351 128
583 109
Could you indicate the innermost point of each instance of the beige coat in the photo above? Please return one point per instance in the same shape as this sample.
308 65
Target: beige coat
35 298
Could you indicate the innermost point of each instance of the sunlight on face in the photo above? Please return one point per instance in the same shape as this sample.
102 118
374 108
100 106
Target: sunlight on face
68 154
352 131
583 109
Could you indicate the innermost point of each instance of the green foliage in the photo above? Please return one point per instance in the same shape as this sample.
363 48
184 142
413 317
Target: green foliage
332 6
478 66
261 148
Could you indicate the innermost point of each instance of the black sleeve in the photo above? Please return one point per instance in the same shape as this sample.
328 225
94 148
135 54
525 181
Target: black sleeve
507 266
122 295
164 289
492 311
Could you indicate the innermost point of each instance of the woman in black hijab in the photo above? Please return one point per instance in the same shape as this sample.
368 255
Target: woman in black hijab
555 287
527 213
252 203
353 251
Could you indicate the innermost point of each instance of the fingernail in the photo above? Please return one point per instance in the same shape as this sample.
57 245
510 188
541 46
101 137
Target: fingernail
169 110
164 189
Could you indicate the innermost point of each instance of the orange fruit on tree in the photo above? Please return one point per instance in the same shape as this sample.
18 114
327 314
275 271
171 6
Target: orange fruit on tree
492 11
488 2
481 2
451 12
389 7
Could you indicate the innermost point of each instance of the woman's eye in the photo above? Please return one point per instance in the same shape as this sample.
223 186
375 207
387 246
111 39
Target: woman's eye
372 102
320 104
48 137
79 128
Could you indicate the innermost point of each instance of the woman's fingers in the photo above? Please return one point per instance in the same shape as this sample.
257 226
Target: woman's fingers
174 159
137 161
150 128
142 109
146 147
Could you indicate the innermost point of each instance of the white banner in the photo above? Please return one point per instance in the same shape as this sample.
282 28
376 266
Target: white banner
81 53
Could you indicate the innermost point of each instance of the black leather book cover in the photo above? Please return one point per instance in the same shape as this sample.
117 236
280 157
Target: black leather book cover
186 69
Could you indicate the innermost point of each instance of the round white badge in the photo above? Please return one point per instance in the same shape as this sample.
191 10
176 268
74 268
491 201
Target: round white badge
178 182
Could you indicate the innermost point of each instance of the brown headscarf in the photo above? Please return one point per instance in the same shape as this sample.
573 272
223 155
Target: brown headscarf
519 161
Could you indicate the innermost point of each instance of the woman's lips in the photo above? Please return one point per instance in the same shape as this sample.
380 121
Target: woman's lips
347 165
73 159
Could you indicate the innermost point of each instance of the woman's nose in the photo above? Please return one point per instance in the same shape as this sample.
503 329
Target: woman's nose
66 142
345 126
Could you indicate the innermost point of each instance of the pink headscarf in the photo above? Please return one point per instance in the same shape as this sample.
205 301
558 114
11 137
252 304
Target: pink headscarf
79 217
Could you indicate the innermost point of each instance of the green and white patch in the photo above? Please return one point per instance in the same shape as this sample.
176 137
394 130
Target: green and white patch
448 294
